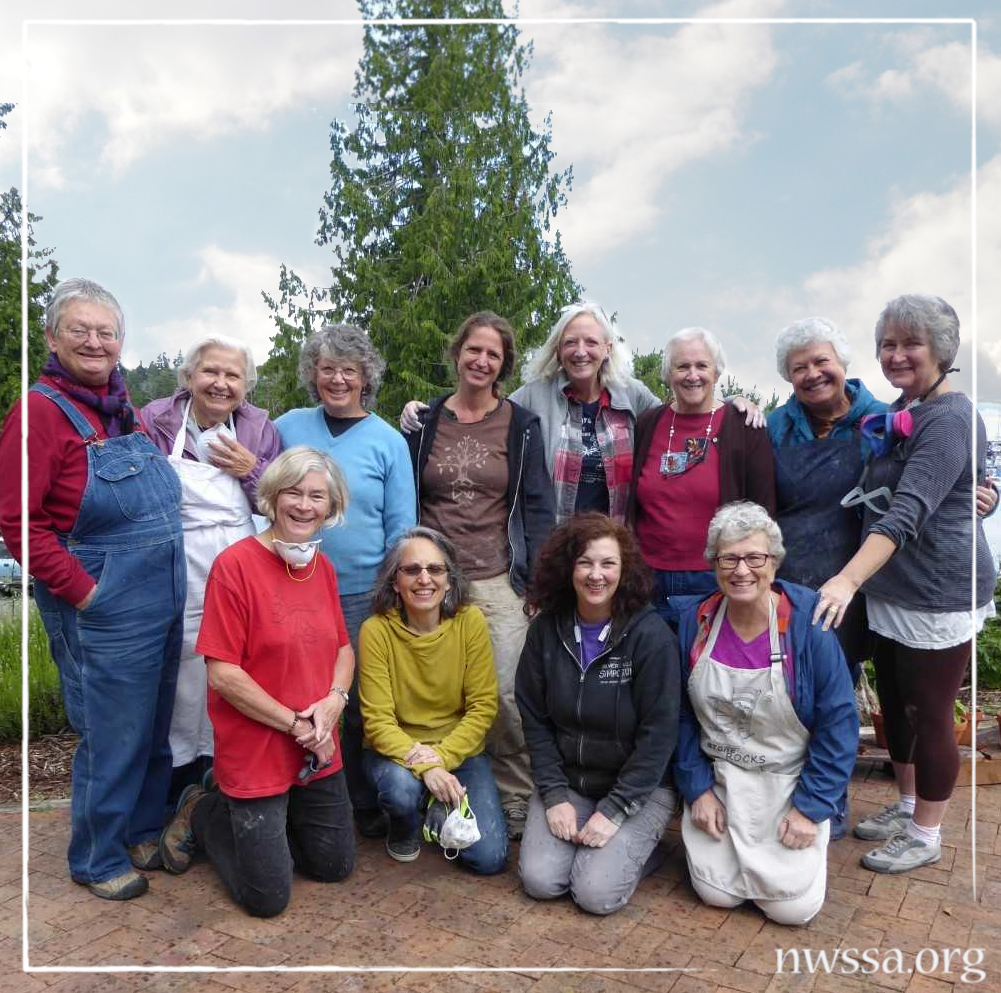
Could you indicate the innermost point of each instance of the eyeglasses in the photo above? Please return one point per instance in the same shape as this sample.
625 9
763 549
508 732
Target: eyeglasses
754 560
435 569
347 373
105 335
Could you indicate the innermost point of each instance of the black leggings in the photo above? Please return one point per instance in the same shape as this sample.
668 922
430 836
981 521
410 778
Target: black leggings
917 689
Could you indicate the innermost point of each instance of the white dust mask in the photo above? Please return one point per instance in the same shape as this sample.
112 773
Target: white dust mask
207 451
297 553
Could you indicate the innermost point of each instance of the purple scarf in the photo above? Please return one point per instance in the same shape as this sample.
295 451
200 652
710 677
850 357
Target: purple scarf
114 408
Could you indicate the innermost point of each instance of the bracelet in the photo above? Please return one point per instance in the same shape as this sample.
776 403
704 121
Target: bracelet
340 690
295 718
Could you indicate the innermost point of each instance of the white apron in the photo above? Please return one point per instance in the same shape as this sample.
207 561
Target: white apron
751 734
215 512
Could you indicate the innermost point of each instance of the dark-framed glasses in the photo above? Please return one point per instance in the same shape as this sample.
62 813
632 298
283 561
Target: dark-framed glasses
754 560
436 570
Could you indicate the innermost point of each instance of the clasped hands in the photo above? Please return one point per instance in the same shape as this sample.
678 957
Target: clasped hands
795 830
323 715
441 784
596 833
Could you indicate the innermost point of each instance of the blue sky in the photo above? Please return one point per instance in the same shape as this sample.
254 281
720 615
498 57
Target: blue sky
735 176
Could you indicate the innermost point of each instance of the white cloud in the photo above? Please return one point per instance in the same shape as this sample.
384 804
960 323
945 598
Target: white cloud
236 279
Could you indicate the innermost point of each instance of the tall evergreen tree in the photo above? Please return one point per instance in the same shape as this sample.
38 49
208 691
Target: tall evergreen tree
441 199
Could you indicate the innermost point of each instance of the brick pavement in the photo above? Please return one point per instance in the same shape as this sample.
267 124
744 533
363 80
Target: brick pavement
429 914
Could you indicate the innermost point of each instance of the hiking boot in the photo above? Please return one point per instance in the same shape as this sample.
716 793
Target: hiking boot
127 886
402 843
514 818
888 822
372 823
177 843
146 855
901 854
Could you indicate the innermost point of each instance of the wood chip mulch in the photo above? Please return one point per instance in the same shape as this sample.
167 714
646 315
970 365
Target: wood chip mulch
50 760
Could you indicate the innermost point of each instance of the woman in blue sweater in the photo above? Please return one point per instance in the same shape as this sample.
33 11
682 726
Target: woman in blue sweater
341 369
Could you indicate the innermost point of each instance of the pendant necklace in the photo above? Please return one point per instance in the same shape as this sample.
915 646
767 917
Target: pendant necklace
675 463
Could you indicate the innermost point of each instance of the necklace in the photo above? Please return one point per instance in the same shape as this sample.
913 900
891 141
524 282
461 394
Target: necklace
675 463
271 544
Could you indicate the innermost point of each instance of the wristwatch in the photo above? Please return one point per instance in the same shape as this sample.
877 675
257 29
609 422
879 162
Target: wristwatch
343 692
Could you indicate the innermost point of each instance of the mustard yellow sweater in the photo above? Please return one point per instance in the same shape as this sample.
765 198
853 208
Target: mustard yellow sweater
438 689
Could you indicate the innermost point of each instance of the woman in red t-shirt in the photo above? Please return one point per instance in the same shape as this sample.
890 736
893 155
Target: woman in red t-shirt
279 664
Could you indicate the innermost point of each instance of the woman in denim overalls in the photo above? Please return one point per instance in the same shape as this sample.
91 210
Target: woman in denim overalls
110 586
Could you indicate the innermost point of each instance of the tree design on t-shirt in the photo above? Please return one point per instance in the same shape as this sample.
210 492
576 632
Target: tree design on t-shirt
467 453
298 617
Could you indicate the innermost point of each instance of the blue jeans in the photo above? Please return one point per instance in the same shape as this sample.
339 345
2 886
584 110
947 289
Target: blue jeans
356 608
669 583
400 793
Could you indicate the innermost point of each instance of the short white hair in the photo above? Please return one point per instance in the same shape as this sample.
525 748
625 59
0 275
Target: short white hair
684 336
545 363
739 520
290 468
86 290
806 332
193 357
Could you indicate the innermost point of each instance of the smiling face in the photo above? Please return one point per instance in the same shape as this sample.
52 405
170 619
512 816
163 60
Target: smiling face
907 361
817 377
596 575
693 376
744 584
583 349
422 591
218 385
83 342
301 510
480 358
339 383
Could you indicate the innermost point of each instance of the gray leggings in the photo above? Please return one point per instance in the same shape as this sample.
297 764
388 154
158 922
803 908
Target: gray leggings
600 880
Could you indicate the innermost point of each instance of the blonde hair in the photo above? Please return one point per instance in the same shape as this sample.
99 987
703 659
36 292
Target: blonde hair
290 468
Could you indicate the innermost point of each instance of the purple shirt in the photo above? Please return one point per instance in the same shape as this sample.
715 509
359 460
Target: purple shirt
590 645
735 653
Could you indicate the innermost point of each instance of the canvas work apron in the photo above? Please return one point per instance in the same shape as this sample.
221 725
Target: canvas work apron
215 513
751 734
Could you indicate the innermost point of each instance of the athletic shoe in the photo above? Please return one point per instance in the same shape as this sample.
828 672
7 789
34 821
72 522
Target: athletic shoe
514 818
177 843
146 855
901 854
127 886
372 823
888 822
401 843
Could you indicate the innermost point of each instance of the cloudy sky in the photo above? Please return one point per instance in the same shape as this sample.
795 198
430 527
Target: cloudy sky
732 175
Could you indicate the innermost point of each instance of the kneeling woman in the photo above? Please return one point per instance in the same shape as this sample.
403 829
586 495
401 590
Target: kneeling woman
279 662
768 731
597 688
428 692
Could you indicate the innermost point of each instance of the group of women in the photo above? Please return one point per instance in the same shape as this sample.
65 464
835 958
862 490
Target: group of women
502 575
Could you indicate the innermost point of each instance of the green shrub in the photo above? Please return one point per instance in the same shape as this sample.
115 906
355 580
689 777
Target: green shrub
989 652
45 707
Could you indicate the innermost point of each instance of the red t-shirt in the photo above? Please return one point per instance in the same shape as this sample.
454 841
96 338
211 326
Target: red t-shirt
283 633
674 510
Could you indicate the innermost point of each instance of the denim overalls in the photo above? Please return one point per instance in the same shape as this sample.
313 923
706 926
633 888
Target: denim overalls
118 656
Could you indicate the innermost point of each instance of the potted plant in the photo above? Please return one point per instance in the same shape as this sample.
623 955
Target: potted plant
966 723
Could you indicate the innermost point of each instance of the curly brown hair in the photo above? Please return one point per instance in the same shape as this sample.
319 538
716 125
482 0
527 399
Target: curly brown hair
551 588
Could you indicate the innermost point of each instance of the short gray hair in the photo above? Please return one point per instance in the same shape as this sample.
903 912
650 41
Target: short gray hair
739 520
686 335
342 343
385 597
930 317
193 358
806 332
545 363
290 468
80 289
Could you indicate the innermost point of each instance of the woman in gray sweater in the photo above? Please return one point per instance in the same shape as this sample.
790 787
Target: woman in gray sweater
914 568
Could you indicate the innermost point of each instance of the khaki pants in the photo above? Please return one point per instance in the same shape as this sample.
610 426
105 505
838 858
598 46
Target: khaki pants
505 615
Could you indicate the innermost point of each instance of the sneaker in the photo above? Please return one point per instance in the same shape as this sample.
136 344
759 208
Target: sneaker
372 823
401 844
146 855
887 823
127 886
514 818
177 843
901 854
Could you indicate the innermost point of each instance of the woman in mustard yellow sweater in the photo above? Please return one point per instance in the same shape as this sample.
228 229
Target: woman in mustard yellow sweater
428 697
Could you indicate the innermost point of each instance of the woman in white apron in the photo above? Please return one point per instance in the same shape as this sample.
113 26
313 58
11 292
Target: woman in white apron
219 445
768 732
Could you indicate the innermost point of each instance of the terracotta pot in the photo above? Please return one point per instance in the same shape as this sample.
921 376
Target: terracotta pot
966 730
877 726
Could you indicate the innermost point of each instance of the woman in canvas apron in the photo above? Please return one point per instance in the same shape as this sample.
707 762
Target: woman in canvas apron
769 731
219 445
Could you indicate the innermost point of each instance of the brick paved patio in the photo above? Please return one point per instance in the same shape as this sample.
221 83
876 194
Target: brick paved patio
430 914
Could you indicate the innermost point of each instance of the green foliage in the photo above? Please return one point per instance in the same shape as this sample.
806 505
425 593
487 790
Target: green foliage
440 203
158 379
646 368
42 277
989 652
45 702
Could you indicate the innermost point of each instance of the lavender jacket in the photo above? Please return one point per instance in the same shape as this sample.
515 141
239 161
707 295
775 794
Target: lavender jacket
254 430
